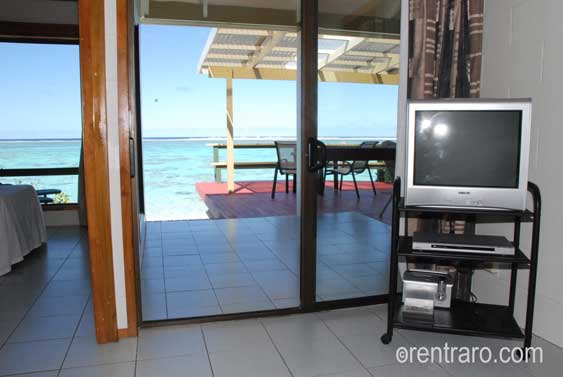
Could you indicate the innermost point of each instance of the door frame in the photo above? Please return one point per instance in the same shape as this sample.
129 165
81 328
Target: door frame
307 105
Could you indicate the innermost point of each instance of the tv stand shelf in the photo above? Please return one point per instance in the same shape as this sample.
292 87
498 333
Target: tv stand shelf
405 250
465 318
527 214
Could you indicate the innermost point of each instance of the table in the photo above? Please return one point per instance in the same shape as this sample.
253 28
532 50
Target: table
22 227
356 153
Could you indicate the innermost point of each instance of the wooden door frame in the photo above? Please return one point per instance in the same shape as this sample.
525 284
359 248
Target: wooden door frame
96 169
127 122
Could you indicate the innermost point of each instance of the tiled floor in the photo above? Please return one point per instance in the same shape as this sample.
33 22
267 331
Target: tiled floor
196 268
46 330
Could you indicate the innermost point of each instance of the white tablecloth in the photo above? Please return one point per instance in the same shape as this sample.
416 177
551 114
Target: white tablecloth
22 227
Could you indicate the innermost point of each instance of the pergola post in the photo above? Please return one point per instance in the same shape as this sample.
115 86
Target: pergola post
230 138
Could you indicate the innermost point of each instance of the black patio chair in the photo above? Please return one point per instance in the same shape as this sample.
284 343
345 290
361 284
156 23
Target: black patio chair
286 165
353 168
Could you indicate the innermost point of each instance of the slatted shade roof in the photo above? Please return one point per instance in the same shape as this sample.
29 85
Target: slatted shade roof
272 55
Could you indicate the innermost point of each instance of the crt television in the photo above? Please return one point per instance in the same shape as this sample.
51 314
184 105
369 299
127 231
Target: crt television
468 153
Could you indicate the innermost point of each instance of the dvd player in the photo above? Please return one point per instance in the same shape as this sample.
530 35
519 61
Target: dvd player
462 243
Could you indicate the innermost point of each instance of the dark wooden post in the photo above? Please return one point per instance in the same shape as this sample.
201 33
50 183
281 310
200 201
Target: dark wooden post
307 64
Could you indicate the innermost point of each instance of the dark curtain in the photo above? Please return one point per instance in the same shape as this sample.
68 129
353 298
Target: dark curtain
445 48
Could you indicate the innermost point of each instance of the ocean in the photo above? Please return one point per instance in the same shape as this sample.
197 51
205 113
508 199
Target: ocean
171 168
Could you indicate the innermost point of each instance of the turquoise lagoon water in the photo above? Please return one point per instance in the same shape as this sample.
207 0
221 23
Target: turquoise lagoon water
172 167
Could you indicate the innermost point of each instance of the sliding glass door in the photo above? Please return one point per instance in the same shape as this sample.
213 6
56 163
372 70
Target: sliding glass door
246 210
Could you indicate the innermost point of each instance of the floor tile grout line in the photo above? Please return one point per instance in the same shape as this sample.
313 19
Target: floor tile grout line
42 290
210 283
74 335
275 346
136 353
163 274
28 373
207 350
344 344
260 286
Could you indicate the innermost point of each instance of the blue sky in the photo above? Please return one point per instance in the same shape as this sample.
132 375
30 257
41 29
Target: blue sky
176 100
39 91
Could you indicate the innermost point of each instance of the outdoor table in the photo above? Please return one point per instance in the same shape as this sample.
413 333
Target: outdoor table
335 153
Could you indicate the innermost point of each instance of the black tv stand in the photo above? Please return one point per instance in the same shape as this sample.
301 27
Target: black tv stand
466 318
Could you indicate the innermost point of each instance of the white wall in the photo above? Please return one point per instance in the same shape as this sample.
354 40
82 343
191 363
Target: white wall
61 218
110 9
523 57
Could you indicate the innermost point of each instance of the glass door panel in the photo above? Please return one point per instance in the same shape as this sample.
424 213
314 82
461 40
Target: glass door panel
222 236
358 67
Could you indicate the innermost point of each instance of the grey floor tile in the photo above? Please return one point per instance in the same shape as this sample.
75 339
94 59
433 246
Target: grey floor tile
317 356
265 265
349 373
224 336
278 284
190 311
85 351
86 327
6 328
265 361
58 306
154 306
183 300
285 303
485 370
410 370
225 268
44 328
16 358
369 350
53 373
152 285
189 283
295 328
196 365
355 321
112 370
230 280
552 364
248 307
59 288
209 258
240 295
170 341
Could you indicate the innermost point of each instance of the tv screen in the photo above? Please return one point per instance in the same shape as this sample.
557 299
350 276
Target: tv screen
467 148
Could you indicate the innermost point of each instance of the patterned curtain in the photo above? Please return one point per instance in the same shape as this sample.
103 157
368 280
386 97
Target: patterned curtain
445 48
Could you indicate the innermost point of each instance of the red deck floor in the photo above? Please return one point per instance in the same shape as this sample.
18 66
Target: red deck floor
252 199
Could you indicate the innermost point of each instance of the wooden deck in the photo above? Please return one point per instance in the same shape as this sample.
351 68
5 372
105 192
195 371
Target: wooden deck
252 199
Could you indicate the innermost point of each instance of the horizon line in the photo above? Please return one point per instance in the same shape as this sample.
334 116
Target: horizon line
206 138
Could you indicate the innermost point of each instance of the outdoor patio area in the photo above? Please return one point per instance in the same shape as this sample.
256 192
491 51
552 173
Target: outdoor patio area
208 267
253 199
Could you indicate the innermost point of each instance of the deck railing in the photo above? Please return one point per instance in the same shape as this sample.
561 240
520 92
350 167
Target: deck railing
218 165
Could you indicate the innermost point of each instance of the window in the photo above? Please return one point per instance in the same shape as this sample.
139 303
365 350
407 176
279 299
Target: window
40 126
